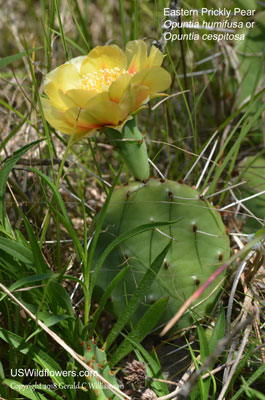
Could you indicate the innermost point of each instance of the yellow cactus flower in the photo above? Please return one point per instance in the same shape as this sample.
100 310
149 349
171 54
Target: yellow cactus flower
103 88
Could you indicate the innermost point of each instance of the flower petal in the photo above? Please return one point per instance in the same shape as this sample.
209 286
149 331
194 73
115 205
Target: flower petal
100 111
133 98
156 78
155 57
56 118
55 99
127 102
77 62
102 57
104 111
65 77
121 125
77 97
141 96
136 52
118 87
74 116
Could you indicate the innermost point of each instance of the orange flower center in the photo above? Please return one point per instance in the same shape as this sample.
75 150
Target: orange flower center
99 81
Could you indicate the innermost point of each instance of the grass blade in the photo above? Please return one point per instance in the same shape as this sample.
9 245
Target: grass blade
16 250
140 331
259 372
106 295
138 295
10 59
124 236
64 217
219 330
61 29
5 171
153 369
37 355
39 262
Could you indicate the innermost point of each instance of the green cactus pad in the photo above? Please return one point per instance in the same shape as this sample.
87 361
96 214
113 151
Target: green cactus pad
253 173
95 357
199 246
249 68
246 59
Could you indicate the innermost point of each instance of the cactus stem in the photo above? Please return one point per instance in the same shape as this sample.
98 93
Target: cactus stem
130 144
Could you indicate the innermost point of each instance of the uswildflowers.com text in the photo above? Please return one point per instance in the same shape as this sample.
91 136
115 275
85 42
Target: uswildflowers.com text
31 372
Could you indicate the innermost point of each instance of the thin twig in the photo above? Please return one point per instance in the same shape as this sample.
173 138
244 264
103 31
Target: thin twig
167 98
247 326
157 169
233 290
242 200
225 189
192 298
200 156
207 164
242 205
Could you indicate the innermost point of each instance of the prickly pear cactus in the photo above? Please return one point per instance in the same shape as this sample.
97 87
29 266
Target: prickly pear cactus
95 357
253 173
199 246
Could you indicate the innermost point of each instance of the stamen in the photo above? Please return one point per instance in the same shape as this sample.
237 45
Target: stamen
99 81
